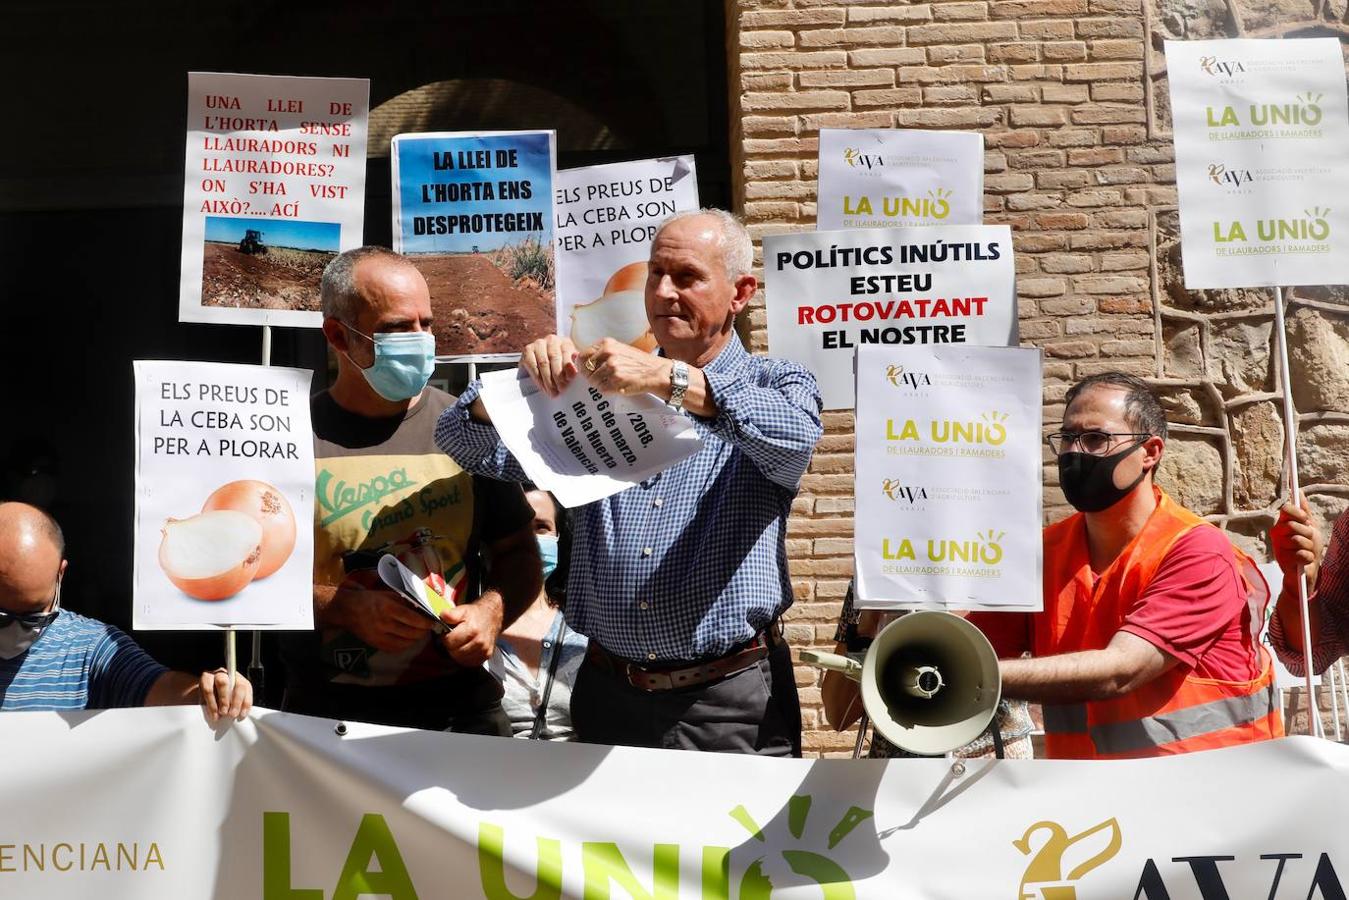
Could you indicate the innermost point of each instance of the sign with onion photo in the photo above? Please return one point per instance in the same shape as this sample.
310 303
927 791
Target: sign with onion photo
606 218
224 497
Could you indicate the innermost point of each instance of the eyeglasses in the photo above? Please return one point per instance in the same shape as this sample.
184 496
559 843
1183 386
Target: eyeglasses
30 621
1095 443
34 620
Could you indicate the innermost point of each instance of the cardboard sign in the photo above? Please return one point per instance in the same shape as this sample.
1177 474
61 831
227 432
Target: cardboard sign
474 211
274 189
606 219
1262 171
583 445
224 497
830 292
948 478
887 178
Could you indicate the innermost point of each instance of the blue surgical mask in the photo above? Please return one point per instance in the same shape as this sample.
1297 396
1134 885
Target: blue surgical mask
404 361
548 552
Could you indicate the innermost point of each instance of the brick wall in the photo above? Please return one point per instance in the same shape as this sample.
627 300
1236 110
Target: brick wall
1069 100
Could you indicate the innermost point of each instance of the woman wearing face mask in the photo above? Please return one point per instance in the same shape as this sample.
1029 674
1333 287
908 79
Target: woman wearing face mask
537 655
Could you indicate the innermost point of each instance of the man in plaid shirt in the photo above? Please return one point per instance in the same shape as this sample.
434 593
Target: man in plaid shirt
1297 543
679 581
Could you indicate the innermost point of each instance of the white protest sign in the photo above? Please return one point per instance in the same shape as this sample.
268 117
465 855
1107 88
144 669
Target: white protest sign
1262 170
474 211
948 478
1285 679
274 189
224 497
606 218
887 178
828 292
583 445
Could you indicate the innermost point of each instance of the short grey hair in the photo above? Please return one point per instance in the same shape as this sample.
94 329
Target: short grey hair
338 296
737 247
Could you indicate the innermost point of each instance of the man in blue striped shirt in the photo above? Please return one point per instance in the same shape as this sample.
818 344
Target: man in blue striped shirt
52 659
679 581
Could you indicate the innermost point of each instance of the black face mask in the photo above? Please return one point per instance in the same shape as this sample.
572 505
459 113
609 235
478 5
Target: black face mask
1089 481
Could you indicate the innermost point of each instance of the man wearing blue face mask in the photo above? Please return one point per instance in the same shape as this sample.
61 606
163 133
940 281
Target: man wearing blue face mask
383 487
55 659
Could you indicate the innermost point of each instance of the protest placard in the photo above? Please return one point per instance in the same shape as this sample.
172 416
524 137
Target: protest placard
274 189
606 218
583 445
224 497
828 292
888 177
474 211
948 478
1262 172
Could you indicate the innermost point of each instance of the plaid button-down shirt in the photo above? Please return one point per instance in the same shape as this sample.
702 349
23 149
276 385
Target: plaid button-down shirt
691 562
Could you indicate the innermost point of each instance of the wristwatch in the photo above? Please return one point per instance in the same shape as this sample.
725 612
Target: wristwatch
679 383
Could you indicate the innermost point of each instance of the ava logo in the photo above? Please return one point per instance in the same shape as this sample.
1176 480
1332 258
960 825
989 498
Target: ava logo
854 157
899 378
833 881
1218 68
1222 176
1058 862
897 490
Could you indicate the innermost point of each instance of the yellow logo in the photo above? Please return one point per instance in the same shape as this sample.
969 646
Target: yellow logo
834 883
1058 861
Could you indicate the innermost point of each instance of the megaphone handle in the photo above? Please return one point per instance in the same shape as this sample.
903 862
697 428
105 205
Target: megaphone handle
862 724
999 749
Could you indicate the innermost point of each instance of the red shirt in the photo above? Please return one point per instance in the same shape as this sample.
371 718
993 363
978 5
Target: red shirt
1194 609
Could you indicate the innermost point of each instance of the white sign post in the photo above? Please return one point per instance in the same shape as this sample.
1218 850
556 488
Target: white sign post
887 178
948 478
1262 173
274 189
224 497
830 292
606 218
583 445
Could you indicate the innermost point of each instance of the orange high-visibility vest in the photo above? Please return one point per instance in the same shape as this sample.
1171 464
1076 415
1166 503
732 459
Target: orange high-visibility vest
1177 712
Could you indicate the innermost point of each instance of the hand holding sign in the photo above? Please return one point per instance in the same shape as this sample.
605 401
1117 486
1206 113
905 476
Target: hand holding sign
552 362
618 368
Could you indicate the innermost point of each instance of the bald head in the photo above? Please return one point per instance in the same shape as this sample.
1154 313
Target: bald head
32 557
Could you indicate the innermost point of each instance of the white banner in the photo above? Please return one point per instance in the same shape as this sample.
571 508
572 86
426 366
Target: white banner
948 478
274 189
1262 171
829 292
606 218
474 211
583 445
886 178
224 497
152 804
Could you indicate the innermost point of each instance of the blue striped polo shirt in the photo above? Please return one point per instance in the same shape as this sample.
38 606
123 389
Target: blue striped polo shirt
78 663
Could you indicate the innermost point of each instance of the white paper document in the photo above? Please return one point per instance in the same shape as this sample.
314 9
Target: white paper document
583 445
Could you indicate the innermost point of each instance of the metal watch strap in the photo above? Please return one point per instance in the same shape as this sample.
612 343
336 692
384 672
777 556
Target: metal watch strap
679 383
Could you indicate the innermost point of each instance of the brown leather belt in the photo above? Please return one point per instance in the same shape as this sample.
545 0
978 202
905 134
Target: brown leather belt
671 676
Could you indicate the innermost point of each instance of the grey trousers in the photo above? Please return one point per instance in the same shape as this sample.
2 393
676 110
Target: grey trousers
754 711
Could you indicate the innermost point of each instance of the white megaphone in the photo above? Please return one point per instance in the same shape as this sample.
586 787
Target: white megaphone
930 681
